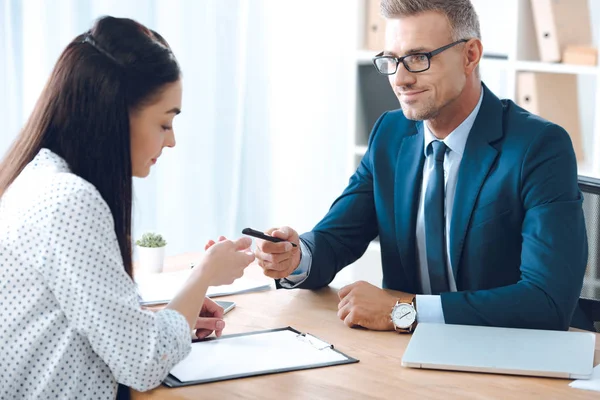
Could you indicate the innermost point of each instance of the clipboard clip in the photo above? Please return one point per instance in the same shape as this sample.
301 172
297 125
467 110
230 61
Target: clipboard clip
313 341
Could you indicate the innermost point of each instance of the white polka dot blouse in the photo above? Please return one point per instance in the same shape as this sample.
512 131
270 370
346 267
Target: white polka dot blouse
71 326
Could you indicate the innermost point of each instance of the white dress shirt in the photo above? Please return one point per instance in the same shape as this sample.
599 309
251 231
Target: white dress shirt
71 325
429 306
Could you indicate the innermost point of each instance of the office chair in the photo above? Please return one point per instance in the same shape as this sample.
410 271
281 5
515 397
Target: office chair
590 293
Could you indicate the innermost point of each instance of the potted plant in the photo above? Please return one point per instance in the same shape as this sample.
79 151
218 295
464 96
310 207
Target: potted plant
151 250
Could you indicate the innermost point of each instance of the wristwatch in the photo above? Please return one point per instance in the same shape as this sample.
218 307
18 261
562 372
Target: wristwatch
404 314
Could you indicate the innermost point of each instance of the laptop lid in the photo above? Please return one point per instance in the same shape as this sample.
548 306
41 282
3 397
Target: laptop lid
555 354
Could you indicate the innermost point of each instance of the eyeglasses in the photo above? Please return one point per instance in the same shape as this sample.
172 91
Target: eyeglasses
416 62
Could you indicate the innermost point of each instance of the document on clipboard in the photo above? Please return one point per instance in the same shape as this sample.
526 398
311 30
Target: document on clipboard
252 354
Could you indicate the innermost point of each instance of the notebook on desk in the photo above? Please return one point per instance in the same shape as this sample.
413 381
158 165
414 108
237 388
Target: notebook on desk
161 288
554 354
251 354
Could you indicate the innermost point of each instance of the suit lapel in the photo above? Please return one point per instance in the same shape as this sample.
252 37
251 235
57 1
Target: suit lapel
407 188
477 160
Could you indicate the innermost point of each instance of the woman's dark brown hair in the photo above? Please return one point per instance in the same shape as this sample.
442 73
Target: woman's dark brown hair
82 114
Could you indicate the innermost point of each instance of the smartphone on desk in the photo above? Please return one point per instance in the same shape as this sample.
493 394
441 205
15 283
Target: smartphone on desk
227 305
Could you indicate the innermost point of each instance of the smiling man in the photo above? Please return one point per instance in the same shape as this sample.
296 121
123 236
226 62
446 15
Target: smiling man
475 200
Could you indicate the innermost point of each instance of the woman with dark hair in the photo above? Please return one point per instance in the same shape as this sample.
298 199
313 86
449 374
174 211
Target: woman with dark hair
71 325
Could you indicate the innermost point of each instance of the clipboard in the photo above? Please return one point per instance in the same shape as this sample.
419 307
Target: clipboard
235 356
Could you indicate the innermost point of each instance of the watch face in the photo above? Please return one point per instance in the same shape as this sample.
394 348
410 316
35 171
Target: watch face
404 315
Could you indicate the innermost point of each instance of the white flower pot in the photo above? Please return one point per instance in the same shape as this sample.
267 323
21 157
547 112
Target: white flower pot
151 259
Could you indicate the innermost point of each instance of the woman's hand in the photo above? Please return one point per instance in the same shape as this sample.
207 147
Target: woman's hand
225 261
211 242
209 320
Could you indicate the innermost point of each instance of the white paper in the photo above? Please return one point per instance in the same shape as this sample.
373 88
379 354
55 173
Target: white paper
254 353
161 288
589 384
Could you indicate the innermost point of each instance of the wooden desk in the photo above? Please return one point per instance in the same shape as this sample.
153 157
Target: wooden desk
378 375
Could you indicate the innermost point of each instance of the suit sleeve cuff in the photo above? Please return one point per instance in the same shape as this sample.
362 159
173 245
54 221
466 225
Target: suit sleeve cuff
301 273
429 309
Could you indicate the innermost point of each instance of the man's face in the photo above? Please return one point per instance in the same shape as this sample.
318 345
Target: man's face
424 95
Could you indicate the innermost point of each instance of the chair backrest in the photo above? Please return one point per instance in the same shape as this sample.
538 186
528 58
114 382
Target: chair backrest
590 294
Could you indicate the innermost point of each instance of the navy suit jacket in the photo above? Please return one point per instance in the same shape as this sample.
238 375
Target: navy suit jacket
518 241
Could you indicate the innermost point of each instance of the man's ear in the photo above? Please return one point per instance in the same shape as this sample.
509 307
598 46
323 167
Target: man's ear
472 55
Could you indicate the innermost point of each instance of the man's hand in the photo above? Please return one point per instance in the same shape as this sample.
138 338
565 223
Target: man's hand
279 260
363 304
210 319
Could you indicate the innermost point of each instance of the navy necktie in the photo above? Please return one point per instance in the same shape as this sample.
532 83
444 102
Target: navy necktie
435 222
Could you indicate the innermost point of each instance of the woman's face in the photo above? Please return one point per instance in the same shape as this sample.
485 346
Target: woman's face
151 129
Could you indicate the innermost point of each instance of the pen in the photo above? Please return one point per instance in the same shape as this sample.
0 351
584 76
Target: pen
260 235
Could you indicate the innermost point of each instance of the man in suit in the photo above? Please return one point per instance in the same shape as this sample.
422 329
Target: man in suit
475 200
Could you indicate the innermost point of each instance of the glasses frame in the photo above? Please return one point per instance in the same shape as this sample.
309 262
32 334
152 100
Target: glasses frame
399 60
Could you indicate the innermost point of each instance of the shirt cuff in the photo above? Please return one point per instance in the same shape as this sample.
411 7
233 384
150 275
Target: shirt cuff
301 273
429 309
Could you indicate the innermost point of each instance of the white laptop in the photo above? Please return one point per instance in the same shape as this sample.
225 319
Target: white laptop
531 352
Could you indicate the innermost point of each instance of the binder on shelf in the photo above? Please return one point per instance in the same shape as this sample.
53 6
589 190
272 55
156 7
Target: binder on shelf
580 55
553 97
252 354
559 23
375 29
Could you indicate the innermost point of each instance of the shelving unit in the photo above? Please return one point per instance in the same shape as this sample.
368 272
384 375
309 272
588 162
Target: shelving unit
537 66
510 47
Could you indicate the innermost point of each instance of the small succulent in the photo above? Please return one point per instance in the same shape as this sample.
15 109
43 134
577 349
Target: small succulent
151 240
